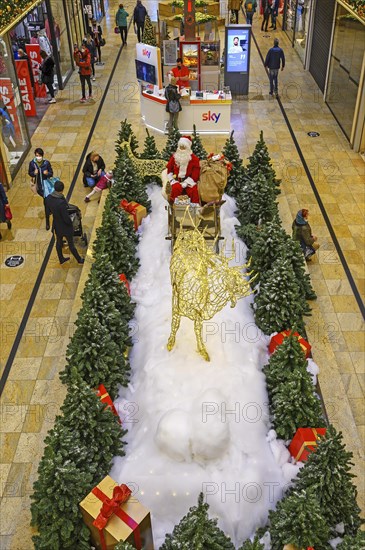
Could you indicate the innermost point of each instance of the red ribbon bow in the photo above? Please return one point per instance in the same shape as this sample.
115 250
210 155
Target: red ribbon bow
131 209
110 507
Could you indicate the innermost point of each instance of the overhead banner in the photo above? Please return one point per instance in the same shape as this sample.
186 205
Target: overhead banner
8 99
25 87
34 54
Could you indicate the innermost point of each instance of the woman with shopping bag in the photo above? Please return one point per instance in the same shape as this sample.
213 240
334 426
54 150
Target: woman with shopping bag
42 184
5 212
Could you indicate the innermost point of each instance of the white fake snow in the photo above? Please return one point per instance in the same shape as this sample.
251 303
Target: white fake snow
192 425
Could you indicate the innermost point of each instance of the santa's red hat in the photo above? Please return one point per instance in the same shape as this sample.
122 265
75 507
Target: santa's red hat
185 141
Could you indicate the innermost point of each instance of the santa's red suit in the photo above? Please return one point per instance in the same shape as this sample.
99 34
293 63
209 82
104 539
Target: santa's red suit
184 174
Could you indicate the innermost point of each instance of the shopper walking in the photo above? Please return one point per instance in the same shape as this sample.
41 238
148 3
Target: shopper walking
41 170
83 61
96 33
275 56
47 73
250 8
62 223
3 206
93 169
90 45
121 22
173 106
139 16
234 6
266 12
302 232
274 13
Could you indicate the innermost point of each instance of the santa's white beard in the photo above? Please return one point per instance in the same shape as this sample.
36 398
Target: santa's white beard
182 158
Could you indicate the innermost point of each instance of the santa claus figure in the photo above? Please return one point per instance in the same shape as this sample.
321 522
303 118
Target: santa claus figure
183 171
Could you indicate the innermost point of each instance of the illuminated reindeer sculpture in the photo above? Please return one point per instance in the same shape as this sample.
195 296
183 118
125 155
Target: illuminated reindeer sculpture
144 167
202 284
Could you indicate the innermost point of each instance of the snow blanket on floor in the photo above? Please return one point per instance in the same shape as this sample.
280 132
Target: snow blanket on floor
195 425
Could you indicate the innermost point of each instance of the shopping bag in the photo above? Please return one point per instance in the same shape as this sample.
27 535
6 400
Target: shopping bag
48 186
116 30
8 213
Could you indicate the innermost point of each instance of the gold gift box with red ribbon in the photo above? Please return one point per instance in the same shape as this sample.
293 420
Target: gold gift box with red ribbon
136 211
112 514
304 442
278 339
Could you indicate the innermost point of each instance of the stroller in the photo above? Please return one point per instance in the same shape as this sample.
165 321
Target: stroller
75 215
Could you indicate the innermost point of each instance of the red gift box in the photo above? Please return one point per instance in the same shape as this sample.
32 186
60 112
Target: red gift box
279 339
105 398
136 211
123 279
304 442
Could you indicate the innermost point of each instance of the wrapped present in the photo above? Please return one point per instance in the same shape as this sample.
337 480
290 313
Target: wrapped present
105 398
304 442
113 515
136 211
123 279
279 339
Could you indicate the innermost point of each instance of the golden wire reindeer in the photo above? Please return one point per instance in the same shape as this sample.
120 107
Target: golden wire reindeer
202 284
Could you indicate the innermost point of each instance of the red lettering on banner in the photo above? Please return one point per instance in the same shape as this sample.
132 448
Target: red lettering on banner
25 85
34 54
7 97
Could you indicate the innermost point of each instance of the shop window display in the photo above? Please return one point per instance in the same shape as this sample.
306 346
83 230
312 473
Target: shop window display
14 133
58 20
76 21
297 18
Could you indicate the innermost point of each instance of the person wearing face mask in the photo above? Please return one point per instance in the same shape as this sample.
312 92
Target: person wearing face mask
83 61
39 170
96 33
181 73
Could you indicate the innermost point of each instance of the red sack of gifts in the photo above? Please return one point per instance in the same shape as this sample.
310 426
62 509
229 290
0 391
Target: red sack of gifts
304 442
279 339
105 398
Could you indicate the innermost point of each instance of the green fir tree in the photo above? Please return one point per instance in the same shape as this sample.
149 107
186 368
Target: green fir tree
356 542
298 520
256 202
279 304
197 145
235 177
197 531
328 473
267 247
294 404
124 546
149 36
293 252
171 143
126 134
117 238
252 545
260 163
127 182
248 233
287 358
150 150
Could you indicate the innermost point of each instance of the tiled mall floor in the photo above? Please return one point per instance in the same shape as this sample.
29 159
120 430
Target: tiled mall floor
33 393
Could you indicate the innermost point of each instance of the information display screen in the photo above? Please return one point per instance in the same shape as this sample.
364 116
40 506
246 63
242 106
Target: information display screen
145 72
237 42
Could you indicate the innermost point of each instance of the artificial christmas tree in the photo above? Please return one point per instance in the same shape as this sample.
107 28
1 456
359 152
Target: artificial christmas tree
235 176
279 304
126 134
197 145
328 473
298 520
356 542
171 143
260 163
127 183
252 545
117 238
124 546
196 531
256 202
149 36
268 245
150 150
293 251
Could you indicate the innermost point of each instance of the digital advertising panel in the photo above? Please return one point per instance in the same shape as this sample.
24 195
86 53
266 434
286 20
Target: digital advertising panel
237 41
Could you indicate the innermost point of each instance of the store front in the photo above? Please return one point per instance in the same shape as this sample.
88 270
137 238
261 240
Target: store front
75 14
297 16
345 84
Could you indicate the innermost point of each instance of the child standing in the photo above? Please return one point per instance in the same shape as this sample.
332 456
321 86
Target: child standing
104 182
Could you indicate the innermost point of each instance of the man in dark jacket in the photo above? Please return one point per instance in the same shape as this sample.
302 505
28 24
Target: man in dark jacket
274 57
62 223
139 15
47 71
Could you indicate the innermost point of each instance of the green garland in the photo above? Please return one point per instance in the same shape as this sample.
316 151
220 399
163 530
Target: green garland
199 17
180 3
10 10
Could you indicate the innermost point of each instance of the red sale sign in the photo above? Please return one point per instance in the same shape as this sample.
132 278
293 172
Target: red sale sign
25 87
7 97
34 54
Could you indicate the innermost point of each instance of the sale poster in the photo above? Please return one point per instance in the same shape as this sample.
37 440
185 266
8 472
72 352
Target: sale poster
34 54
25 87
8 99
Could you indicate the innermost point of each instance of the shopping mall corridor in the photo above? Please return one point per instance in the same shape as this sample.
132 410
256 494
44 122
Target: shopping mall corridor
322 174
